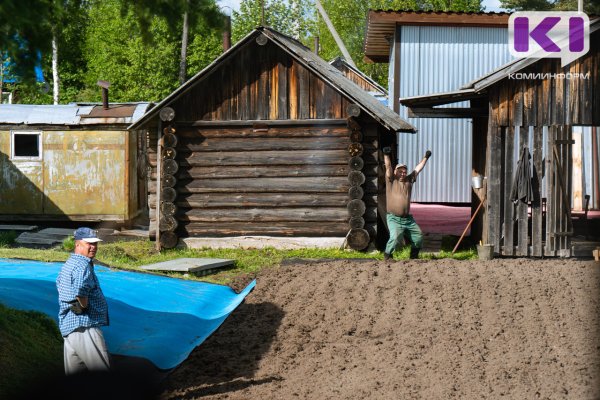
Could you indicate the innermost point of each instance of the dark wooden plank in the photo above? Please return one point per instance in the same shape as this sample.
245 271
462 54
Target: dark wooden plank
304 93
595 76
536 207
529 103
550 247
311 229
503 105
559 98
274 143
508 180
495 189
255 214
322 184
516 111
523 218
586 91
265 157
282 94
273 200
573 115
260 171
264 88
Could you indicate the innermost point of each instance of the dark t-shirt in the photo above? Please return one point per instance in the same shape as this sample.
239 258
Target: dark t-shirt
398 194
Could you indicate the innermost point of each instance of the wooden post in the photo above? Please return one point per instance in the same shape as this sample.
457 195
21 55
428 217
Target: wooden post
522 214
508 184
536 206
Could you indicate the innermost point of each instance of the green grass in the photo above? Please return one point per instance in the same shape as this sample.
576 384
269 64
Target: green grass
132 255
7 239
31 350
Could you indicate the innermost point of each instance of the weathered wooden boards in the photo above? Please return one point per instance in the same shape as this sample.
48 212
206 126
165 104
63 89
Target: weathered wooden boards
538 113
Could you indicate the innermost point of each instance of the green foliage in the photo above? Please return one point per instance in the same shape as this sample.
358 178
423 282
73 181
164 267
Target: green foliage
590 7
7 238
294 18
117 53
68 244
31 350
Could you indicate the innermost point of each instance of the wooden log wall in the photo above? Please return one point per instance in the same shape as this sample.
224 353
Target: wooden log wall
268 180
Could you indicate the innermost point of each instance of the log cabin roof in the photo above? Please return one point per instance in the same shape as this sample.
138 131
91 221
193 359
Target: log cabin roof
313 63
478 87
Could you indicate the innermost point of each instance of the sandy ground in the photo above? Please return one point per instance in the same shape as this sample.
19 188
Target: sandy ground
506 328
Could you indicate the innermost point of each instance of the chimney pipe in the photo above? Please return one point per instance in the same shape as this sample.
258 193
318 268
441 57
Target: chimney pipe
104 85
227 33
316 45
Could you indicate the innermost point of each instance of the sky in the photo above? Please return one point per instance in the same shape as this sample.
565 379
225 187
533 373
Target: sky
490 5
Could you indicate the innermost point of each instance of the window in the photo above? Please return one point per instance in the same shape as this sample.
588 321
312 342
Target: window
26 145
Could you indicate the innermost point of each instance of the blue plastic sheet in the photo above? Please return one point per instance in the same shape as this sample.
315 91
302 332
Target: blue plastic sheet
154 317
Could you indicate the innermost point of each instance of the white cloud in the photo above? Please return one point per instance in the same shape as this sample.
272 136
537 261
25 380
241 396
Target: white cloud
228 5
492 5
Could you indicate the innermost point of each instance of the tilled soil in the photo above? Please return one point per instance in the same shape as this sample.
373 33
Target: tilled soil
444 329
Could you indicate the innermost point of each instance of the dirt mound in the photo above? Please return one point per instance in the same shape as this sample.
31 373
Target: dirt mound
512 328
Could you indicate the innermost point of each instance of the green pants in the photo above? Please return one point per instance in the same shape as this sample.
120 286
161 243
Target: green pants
397 226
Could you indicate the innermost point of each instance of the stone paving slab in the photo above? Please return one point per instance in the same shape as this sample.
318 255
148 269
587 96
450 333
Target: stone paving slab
189 264
18 227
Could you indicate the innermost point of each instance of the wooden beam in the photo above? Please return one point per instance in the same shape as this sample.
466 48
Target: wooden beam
431 112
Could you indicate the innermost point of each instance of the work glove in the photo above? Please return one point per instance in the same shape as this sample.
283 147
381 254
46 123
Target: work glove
428 154
76 308
387 150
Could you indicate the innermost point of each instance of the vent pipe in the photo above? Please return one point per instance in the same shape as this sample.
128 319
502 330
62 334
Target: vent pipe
227 33
104 85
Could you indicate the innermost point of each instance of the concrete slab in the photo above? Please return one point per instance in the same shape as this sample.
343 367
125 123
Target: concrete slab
20 228
57 231
26 238
193 265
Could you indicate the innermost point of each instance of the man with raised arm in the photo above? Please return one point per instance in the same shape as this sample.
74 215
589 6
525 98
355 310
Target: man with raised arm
400 222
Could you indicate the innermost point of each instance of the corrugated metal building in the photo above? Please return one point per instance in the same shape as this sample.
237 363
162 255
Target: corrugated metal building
76 162
434 52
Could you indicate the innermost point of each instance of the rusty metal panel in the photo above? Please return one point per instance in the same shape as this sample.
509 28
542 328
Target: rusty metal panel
84 173
20 183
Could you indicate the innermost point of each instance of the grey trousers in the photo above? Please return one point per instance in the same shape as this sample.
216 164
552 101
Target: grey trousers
85 350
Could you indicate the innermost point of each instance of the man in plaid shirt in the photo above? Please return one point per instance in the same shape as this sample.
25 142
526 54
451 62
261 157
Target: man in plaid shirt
83 308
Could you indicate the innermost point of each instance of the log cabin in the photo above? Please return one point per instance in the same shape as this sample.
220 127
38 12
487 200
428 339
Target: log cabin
269 140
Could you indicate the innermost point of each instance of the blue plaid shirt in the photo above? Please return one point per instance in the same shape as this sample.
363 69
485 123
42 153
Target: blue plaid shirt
77 278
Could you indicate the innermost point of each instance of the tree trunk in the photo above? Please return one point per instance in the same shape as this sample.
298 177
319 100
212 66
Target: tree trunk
55 80
184 44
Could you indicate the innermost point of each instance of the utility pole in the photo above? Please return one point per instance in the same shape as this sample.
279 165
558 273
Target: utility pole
336 37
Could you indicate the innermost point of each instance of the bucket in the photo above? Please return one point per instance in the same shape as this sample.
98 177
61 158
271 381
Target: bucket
485 251
477 181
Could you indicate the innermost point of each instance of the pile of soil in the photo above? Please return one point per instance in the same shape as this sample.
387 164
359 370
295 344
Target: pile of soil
512 328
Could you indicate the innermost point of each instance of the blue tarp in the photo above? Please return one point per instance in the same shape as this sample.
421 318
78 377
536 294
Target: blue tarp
154 317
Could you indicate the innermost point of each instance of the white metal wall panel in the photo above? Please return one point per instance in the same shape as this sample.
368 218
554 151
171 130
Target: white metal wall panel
437 59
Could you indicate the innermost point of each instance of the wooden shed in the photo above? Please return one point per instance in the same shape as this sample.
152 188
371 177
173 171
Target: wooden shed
268 140
525 115
361 79
76 162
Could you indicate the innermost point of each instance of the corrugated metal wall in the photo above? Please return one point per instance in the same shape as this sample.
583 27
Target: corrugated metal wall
434 60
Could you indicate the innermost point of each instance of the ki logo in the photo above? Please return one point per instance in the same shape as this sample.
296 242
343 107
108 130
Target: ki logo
542 34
